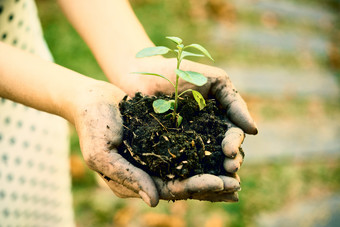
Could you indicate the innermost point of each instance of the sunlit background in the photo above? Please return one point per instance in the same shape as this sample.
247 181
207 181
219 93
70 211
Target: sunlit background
284 58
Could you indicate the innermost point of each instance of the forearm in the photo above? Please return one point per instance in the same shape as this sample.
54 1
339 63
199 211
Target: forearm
43 85
111 30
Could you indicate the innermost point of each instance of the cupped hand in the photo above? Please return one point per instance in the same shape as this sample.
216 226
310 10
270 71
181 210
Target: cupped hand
99 127
218 86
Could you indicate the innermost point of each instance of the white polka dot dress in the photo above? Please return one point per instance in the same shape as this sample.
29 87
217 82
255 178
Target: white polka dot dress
34 169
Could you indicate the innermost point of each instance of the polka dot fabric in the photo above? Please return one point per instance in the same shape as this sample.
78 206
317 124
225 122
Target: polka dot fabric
20 27
34 168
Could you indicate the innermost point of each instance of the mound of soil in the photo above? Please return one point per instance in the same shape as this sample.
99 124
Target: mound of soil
153 143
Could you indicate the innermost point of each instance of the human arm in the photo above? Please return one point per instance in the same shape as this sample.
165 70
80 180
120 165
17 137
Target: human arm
115 35
91 106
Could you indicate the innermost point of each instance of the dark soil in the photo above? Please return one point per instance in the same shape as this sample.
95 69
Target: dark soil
152 142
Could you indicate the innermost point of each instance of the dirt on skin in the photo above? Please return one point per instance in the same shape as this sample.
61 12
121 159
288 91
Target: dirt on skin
153 143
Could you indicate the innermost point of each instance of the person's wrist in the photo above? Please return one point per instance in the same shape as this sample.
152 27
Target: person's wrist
89 93
118 64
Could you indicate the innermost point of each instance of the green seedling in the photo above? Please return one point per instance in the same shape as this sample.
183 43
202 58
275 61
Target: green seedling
161 105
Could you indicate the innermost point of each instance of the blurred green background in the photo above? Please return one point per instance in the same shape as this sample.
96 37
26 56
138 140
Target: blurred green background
284 58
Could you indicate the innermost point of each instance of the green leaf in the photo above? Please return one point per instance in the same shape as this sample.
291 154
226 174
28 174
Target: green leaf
192 77
199 99
161 105
172 104
179 120
175 39
189 54
154 74
200 48
152 51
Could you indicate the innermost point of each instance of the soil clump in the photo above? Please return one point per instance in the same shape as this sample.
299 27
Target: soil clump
153 143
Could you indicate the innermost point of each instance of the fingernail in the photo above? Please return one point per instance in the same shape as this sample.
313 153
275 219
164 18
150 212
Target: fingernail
255 130
251 128
239 188
145 198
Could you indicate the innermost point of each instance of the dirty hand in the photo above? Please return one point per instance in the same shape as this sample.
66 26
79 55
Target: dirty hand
218 86
99 126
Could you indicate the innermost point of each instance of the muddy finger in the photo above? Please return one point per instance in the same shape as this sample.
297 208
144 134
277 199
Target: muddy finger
204 183
135 179
239 114
185 189
116 168
231 184
233 165
232 141
118 189
230 99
